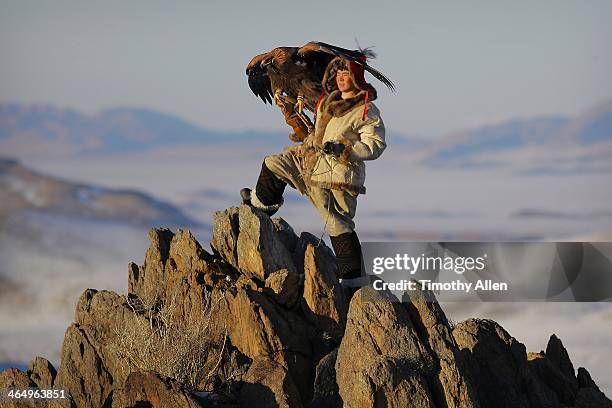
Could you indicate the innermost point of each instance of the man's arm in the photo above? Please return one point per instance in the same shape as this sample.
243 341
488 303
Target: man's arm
372 139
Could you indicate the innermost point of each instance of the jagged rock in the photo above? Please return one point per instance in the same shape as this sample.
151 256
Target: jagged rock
186 257
173 259
589 395
144 281
269 384
260 249
284 286
148 389
280 323
252 242
15 379
498 366
565 390
100 315
584 379
558 357
232 369
190 272
286 233
305 239
326 392
244 282
259 329
580 392
324 302
82 372
187 277
224 241
381 361
453 379
42 372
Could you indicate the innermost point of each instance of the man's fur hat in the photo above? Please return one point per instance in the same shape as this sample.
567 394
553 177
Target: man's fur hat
357 75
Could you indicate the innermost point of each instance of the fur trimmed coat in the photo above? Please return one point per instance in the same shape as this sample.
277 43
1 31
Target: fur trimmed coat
362 132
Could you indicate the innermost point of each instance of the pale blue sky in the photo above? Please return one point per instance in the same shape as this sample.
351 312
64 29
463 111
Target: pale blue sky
455 63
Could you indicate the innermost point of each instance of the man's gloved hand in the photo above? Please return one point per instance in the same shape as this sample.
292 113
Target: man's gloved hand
300 131
333 148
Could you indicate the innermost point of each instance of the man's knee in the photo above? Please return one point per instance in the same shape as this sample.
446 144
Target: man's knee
339 226
274 163
273 159
268 160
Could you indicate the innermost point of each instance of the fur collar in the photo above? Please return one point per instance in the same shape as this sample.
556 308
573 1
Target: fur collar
334 106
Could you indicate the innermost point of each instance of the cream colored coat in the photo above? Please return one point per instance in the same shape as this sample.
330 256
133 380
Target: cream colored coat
364 140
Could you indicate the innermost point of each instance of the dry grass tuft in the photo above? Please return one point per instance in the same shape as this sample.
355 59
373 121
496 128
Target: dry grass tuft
164 341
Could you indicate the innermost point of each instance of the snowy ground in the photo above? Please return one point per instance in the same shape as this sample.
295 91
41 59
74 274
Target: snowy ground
46 266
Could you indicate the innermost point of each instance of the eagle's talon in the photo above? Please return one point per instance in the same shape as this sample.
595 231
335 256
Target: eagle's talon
299 106
299 110
277 97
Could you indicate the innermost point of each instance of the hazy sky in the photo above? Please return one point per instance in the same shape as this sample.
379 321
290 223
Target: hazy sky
455 63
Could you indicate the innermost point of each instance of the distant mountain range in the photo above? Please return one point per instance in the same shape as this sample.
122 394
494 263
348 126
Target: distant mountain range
542 144
24 190
569 143
33 127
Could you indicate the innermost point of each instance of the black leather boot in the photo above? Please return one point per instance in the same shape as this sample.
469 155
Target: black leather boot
268 194
349 260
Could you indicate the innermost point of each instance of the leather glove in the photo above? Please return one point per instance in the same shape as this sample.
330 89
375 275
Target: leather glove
333 148
300 131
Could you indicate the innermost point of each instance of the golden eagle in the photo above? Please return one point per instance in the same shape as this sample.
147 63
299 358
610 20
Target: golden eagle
294 75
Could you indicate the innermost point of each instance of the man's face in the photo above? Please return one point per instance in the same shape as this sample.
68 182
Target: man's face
344 81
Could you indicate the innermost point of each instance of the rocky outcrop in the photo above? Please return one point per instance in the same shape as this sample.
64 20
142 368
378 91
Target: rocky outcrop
589 394
505 375
255 248
324 302
42 372
381 361
452 382
148 389
262 321
82 372
13 378
326 393
497 360
268 384
262 330
283 286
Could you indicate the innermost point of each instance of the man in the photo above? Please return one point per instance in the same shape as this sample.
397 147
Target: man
329 165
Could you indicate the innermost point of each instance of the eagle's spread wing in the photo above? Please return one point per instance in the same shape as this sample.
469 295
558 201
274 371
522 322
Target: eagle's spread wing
299 71
355 56
283 71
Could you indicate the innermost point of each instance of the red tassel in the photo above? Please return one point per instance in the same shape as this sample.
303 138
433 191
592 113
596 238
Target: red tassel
365 105
319 102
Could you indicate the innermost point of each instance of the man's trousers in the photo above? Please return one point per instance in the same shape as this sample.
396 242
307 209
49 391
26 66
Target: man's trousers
336 207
